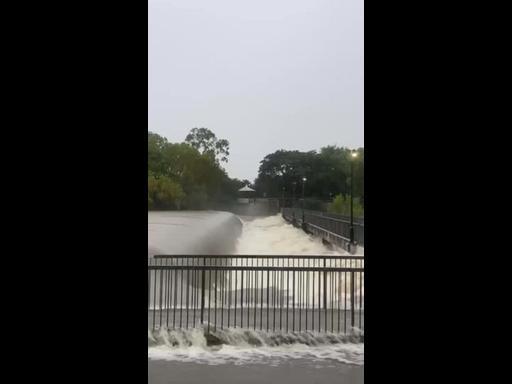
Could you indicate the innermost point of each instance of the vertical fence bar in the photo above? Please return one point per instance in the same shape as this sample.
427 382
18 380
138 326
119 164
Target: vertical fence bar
195 289
300 299
242 299
325 285
255 301
274 296
230 288
268 297
160 296
333 298
307 294
261 301
236 294
281 298
248 293
222 299
293 313
313 299
181 298
360 297
287 298
202 290
149 291
209 295
175 298
352 300
154 302
168 301
215 281
338 300
188 292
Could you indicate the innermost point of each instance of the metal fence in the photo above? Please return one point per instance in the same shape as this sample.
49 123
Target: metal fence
334 229
271 293
357 220
314 205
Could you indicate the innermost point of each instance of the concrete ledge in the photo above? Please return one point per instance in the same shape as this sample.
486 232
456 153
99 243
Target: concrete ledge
192 232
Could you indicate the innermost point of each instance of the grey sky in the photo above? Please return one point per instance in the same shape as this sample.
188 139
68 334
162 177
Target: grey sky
263 74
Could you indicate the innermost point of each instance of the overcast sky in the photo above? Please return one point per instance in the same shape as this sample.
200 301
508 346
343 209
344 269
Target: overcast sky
263 74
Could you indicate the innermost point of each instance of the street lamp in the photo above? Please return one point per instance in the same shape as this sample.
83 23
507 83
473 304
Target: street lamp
294 184
303 200
353 157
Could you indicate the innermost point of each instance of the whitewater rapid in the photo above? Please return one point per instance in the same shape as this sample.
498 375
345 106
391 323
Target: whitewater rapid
274 236
265 236
242 347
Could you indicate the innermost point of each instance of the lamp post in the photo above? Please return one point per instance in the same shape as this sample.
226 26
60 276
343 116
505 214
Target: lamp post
294 183
353 156
303 200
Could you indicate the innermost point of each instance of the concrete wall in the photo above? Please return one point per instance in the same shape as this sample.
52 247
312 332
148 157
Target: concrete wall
255 207
192 232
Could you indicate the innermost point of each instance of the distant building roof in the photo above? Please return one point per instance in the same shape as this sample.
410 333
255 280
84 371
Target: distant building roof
246 189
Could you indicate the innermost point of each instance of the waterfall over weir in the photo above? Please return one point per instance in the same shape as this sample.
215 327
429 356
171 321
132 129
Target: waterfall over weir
260 332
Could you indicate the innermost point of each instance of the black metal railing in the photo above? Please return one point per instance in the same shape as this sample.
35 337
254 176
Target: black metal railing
335 229
271 293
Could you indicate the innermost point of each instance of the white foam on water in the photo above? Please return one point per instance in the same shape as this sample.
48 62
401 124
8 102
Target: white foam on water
274 236
241 347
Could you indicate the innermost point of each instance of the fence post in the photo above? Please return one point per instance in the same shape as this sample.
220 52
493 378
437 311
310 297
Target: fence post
352 299
202 291
304 225
325 285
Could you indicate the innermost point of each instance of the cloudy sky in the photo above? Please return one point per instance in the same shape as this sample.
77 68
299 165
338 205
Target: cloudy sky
263 74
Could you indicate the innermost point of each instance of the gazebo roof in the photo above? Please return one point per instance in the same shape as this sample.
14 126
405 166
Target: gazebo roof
246 189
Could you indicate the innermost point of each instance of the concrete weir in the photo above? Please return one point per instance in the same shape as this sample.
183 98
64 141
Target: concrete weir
192 232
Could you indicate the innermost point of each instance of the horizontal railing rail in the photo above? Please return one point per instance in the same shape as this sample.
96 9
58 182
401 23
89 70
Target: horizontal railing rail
338 228
249 268
351 257
355 261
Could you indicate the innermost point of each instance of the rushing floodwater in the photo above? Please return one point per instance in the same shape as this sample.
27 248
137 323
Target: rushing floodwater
254 347
270 235
273 235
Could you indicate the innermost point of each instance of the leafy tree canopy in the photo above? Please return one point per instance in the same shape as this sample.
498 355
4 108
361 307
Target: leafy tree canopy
207 143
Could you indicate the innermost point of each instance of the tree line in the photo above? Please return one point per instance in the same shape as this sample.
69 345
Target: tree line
189 175
326 174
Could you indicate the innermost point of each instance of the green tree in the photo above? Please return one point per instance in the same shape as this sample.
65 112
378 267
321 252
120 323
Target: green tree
327 173
207 143
164 193
156 145
341 205
201 179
